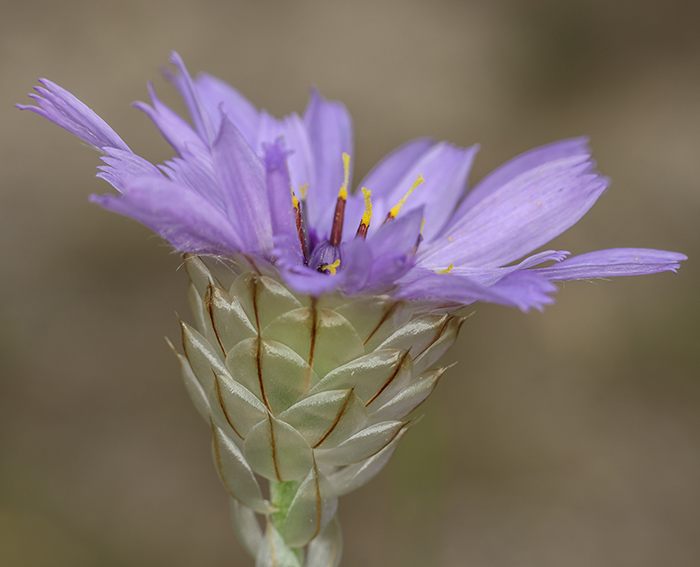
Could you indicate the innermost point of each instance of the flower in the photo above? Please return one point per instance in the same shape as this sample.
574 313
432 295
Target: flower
413 231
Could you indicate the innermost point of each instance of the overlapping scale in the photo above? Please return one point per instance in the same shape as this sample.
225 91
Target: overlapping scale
311 394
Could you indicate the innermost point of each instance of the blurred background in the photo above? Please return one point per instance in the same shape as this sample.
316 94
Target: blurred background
569 438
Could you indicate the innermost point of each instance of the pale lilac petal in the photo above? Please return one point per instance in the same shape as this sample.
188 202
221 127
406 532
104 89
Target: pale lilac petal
198 175
122 166
175 129
283 216
522 215
217 96
445 169
612 263
186 220
490 276
184 83
382 181
519 165
64 109
291 129
241 177
526 290
330 131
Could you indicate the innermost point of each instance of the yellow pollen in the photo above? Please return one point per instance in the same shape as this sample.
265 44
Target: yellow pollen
295 201
367 216
447 270
395 210
302 191
422 224
330 268
343 193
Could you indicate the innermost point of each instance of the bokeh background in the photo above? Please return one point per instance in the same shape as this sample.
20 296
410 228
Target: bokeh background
569 438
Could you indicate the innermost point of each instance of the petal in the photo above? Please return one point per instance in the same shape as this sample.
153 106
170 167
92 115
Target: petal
296 140
64 109
218 96
520 216
519 165
383 179
283 215
123 165
613 262
242 177
186 220
445 169
330 131
172 126
183 82
521 289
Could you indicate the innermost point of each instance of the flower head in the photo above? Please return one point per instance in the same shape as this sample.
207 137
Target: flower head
279 191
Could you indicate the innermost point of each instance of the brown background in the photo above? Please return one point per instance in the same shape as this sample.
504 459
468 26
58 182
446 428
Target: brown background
569 438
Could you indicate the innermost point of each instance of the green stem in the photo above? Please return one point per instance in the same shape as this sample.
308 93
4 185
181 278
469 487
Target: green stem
281 496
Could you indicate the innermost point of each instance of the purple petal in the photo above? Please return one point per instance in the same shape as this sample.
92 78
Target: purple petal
172 126
186 220
283 215
382 180
519 165
612 263
445 168
520 216
300 159
122 166
521 289
241 176
218 96
330 131
183 82
62 108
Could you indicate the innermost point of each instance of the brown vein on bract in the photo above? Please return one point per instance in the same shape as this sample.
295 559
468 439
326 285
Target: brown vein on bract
273 447
218 461
437 337
318 499
221 403
210 308
390 380
389 312
337 418
312 342
258 364
432 389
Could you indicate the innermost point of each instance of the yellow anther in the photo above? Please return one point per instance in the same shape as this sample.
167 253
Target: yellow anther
397 208
447 270
330 268
343 193
302 191
367 216
295 201
422 224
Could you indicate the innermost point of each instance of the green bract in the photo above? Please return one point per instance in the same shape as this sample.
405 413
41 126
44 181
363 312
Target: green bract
311 394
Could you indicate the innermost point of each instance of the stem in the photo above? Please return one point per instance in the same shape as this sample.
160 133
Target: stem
281 496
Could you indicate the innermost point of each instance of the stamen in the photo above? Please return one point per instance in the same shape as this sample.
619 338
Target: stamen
447 270
337 228
367 216
397 208
420 236
329 268
300 223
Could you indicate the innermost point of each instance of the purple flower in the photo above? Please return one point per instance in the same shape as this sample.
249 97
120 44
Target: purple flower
279 191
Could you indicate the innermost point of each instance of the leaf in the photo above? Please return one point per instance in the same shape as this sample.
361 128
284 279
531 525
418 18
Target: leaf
326 548
327 418
362 445
277 451
273 372
369 375
262 298
320 336
312 508
237 476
